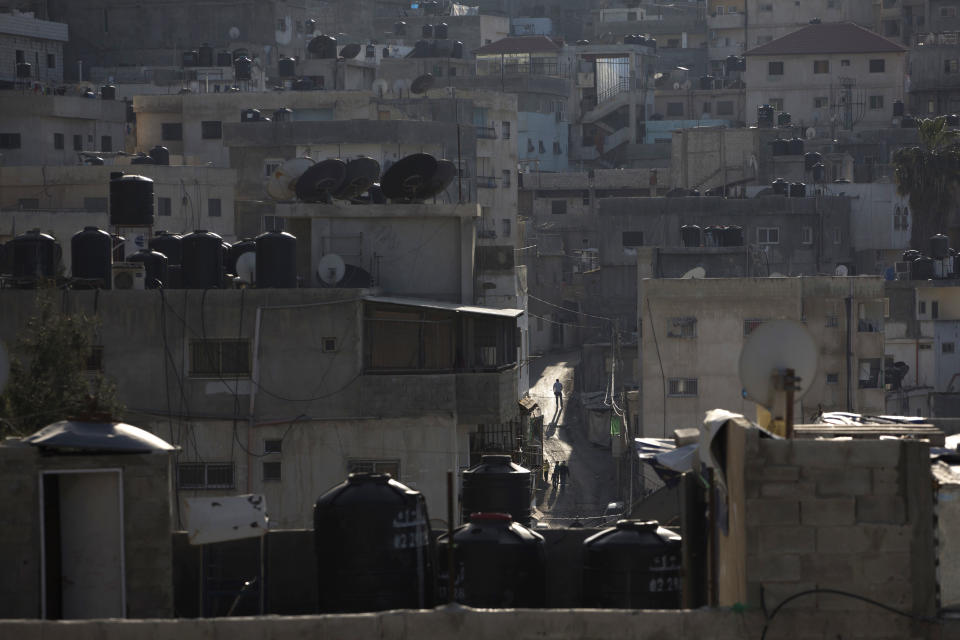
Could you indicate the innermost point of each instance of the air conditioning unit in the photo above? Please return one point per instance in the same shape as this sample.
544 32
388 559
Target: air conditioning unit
129 275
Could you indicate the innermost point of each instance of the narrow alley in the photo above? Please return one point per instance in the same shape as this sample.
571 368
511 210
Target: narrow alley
591 481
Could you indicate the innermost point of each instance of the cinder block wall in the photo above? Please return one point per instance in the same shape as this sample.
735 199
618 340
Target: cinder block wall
854 516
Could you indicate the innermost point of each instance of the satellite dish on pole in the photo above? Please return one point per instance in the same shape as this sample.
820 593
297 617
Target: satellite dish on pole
422 84
779 357
331 269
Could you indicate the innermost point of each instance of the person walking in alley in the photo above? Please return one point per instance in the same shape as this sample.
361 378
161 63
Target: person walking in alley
556 473
558 393
562 472
545 467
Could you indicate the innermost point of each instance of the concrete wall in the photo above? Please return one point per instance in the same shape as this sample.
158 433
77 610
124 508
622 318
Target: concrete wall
785 18
148 555
36 39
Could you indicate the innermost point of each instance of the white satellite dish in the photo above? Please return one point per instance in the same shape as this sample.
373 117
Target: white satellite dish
695 273
776 274
234 33
676 86
4 366
282 183
841 270
771 349
380 87
247 267
331 268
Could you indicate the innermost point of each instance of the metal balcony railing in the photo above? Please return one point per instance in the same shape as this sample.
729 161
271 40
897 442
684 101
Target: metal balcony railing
489 133
487 182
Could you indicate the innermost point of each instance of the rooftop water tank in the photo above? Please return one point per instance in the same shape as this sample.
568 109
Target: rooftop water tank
155 267
131 201
91 257
202 260
497 485
276 260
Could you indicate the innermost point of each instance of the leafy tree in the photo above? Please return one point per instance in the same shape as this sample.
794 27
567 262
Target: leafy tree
49 380
928 175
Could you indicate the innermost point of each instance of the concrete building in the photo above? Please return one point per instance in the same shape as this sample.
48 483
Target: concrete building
726 22
880 222
24 39
282 392
768 20
40 129
934 85
693 331
828 72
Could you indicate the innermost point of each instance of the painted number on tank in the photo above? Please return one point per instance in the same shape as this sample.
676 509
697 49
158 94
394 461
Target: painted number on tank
410 539
665 583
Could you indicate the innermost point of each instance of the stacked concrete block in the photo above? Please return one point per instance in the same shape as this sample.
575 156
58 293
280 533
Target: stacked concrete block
852 516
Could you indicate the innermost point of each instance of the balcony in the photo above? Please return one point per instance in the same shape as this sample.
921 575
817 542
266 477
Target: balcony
487 397
486 182
488 133
725 21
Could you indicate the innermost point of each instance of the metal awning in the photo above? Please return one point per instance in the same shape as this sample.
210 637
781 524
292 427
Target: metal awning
105 437
445 306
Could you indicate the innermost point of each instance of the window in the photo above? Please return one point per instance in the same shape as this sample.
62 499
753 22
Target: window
20 56
28 203
948 12
281 25
707 107
78 143
766 7
682 387
273 223
273 445
374 466
51 61
164 207
750 324
632 238
821 66
832 321
211 130
171 131
682 327
328 344
876 102
934 309
558 207
768 235
506 227
870 373
205 475
211 357
106 143
877 66
9 140
505 129
557 149
844 63
540 147
58 141
946 347
833 378
506 177
725 107
821 102
775 68
806 235
923 307
95 359
674 108
837 236
272 471
213 207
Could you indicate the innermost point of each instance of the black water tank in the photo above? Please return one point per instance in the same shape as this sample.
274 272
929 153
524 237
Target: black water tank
498 564
765 116
373 546
91 256
201 260
142 160
691 235
497 485
160 155
811 158
242 68
205 55
706 82
236 250
400 28
24 70
732 64
34 255
922 269
798 190
426 31
131 201
169 244
287 67
276 260
224 59
910 255
780 147
939 247
780 186
370 51
898 110
796 147
713 236
733 236
154 265
323 46
282 114
190 58
457 50
250 115
783 119
819 172
441 31
108 92
952 120
635 565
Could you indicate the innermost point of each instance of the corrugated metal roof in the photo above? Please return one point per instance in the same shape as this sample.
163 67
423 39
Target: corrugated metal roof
21 25
834 37
446 306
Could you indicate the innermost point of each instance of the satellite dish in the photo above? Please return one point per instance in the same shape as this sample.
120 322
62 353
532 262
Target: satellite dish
234 33
361 174
349 51
4 366
772 348
776 274
422 84
323 46
841 270
405 177
319 182
444 174
247 267
281 186
380 87
695 273
676 86
331 268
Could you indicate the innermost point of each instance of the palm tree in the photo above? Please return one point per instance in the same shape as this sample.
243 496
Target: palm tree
928 175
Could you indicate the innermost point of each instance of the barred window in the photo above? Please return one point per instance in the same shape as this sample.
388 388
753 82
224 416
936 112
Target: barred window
374 466
205 475
682 387
220 358
682 328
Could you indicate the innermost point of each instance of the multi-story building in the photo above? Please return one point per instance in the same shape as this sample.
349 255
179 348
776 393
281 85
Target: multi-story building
26 40
828 73
694 329
768 20
726 31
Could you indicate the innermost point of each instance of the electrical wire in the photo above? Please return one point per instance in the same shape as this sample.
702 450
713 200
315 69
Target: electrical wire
551 304
566 324
663 377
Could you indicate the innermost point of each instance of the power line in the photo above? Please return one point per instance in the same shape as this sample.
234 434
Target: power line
548 303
